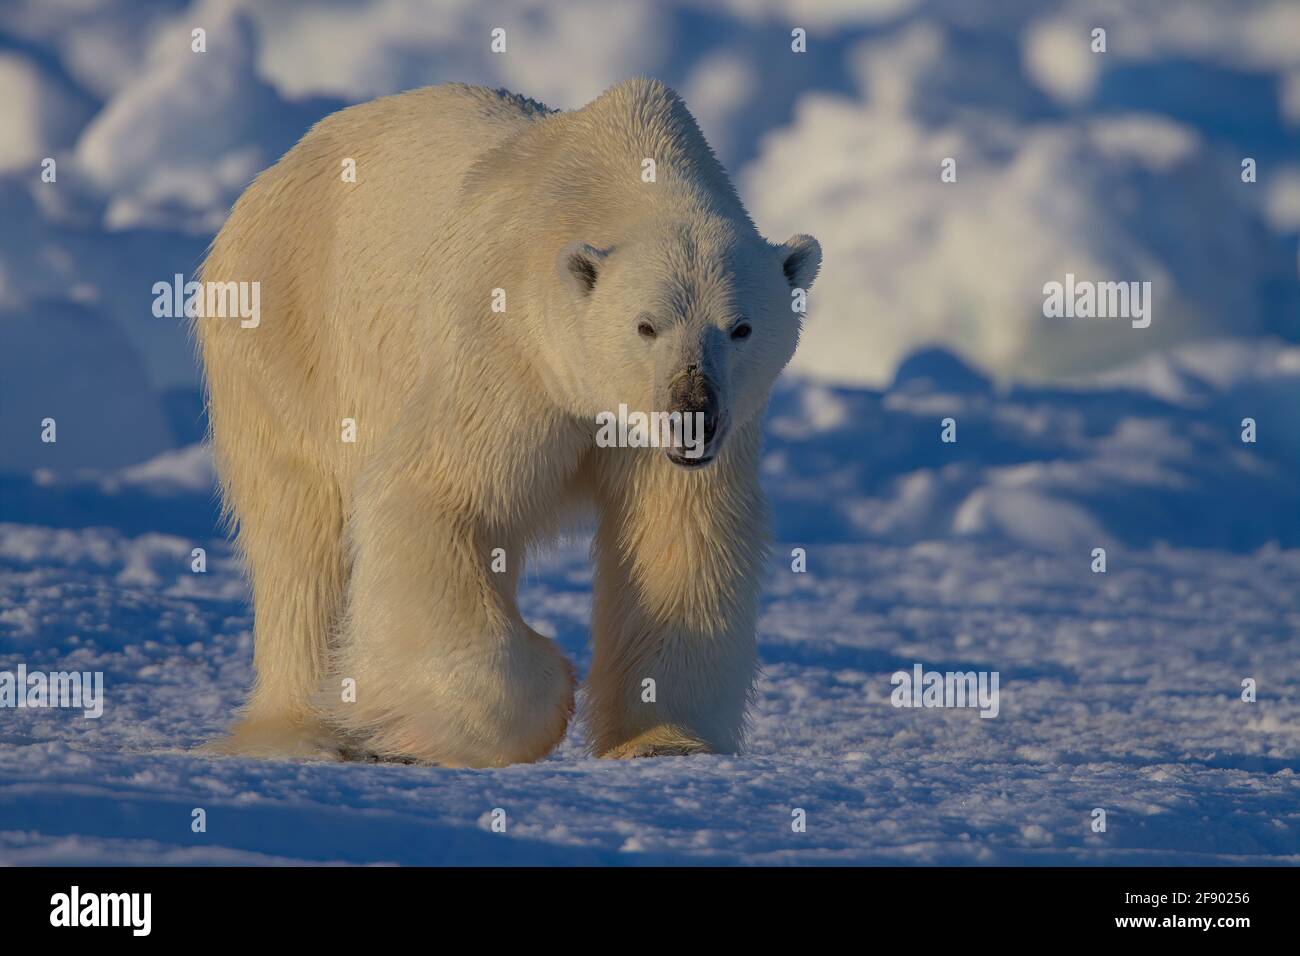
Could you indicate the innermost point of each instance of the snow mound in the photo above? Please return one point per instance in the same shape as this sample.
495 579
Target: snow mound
1152 452
71 364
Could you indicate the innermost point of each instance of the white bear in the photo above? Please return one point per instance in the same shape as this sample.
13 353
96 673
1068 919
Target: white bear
461 281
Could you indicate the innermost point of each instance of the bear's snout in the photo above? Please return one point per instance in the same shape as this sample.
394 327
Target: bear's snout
694 393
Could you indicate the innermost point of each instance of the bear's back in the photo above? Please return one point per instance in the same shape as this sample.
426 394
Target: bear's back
340 236
369 161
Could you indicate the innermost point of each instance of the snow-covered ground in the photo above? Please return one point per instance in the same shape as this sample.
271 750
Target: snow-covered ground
1119 691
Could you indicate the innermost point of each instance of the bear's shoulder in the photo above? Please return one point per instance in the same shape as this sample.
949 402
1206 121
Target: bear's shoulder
491 100
524 104
436 105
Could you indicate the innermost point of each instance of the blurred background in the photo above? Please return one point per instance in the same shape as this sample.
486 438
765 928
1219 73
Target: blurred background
1124 165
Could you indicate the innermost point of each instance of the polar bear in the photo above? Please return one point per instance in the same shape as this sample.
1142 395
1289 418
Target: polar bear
455 283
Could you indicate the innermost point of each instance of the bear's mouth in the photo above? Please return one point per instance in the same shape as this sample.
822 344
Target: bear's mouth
710 451
681 461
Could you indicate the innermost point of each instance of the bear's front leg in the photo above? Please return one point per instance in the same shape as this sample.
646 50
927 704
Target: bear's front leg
444 669
679 559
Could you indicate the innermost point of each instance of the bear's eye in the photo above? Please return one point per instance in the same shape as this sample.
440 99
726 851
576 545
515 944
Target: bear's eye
741 331
646 330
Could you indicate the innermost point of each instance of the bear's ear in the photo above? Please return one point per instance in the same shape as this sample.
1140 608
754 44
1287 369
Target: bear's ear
578 265
803 257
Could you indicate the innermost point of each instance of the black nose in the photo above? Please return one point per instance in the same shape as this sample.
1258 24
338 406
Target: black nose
693 393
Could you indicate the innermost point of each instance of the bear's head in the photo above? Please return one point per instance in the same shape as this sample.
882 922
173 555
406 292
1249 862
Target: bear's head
693 315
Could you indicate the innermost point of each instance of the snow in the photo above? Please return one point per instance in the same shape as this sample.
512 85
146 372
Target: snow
1118 691
159 166
64 361
1149 453
186 469
37 113
911 260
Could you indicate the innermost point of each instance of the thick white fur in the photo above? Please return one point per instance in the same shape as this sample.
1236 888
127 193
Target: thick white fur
476 429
